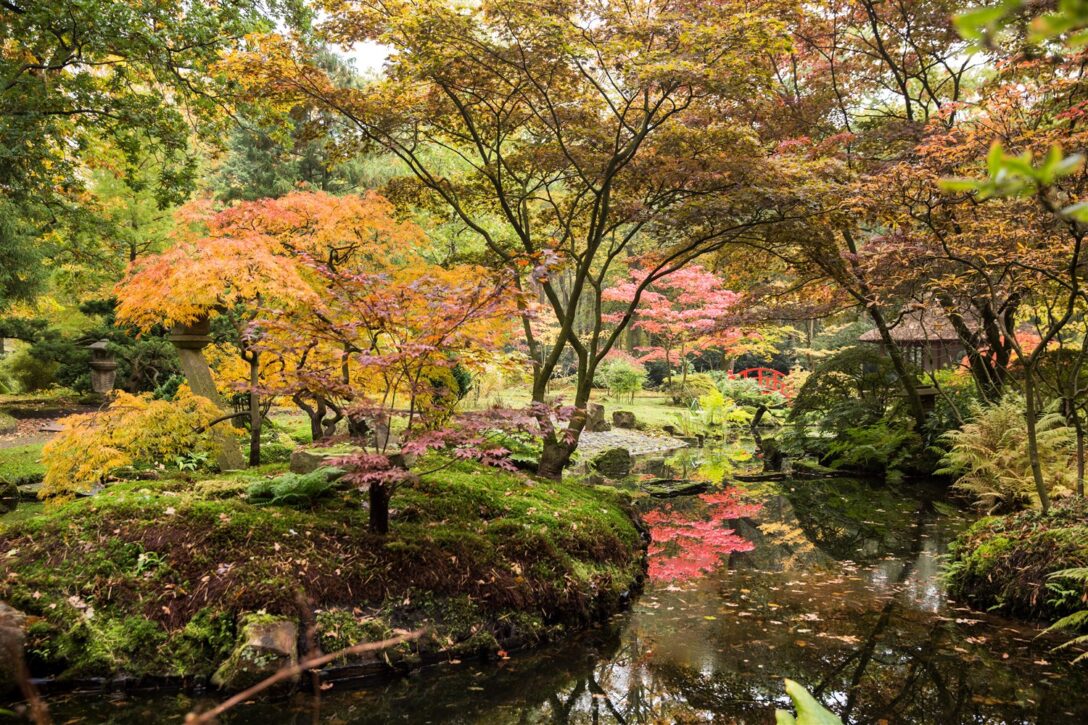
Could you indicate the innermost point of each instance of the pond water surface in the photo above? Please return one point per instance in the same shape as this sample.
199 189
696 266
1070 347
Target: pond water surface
831 583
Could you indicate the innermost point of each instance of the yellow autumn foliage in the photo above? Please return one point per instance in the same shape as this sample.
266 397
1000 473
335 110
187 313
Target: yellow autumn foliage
134 429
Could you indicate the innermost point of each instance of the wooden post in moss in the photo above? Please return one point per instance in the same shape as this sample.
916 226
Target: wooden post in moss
190 341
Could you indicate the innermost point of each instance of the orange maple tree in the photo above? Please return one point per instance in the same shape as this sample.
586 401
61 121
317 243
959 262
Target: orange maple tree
261 255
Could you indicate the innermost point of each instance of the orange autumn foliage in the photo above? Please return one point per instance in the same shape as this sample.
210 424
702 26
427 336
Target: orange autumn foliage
256 253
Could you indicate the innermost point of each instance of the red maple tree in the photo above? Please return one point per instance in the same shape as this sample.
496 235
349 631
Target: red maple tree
684 313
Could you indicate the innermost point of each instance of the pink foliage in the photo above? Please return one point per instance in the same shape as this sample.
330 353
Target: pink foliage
469 436
686 545
686 309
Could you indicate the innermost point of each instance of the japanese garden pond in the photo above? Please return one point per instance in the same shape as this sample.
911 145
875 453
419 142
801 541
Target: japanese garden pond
832 583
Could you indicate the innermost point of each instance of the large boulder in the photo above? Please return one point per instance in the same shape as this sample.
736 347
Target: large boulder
12 641
595 422
308 460
265 645
624 419
612 463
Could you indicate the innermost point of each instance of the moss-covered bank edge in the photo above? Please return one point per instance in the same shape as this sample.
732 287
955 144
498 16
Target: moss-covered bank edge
1006 564
147 583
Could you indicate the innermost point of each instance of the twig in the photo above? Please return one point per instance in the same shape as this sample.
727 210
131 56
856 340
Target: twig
39 712
194 718
221 419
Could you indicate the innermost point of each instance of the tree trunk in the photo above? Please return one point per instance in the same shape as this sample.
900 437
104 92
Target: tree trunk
379 508
1033 439
316 413
199 376
683 371
255 417
863 294
906 378
554 458
1078 426
559 447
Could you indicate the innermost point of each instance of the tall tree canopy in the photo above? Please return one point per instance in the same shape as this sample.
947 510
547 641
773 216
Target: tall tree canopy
580 132
135 75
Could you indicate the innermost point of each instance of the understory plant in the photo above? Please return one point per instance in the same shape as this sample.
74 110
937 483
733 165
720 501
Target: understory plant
134 430
846 415
623 378
989 455
887 445
294 489
719 412
746 392
1077 621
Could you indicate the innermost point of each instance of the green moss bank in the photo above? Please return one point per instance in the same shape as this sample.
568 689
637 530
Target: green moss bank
1005 563
152 579
22 464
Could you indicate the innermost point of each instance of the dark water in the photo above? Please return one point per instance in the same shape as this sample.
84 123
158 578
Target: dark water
834 584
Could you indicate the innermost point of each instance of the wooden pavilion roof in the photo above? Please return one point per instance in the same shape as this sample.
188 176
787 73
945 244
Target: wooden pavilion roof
927 325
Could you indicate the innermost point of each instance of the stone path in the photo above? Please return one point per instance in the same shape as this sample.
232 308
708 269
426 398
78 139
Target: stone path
29 430
634 441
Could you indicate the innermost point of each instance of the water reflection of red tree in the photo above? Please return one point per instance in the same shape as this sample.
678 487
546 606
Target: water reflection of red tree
691 542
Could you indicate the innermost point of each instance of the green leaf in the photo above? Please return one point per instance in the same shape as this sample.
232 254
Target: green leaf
1051 162
978 23
809 710
1077 212
1018 166
1069 165
959 184
994 158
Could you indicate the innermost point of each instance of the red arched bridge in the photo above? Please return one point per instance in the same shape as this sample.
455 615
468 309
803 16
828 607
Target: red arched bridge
768 379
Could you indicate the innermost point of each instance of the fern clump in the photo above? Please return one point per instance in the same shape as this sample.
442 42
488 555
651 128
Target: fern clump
1077 621
133 430
990 455
294 489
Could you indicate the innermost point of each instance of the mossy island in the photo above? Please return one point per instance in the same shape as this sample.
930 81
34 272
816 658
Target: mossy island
156 581
1028 564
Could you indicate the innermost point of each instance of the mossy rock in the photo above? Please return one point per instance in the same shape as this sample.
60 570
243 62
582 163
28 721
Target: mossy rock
221 488
308 460
22 464
612 463
12 642
9 495
265 645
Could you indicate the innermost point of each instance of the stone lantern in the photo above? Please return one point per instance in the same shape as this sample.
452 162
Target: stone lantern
194 336
190 341
103 367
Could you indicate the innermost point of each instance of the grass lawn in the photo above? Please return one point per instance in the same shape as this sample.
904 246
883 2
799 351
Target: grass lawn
293 422
652 409
22 464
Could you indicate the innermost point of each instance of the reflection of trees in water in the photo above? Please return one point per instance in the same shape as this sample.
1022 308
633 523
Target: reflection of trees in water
849 518
904 668
881 659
